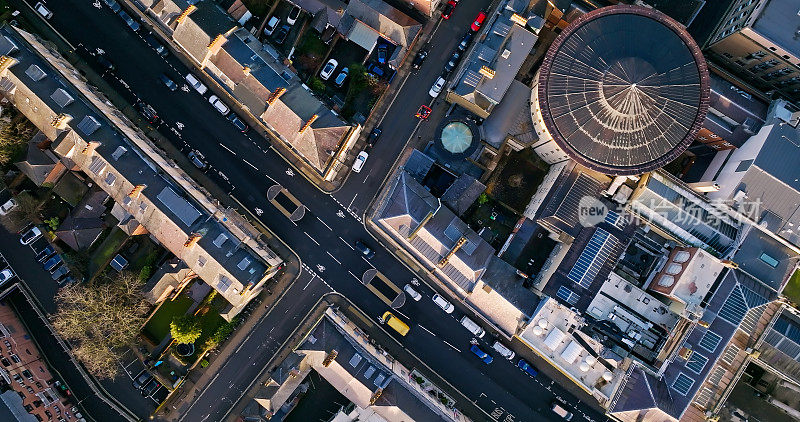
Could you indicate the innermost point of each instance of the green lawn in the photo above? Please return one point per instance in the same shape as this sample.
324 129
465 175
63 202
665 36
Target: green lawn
158 326
792 290
103 254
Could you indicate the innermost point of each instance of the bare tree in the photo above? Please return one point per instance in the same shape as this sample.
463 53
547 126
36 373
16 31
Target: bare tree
99 317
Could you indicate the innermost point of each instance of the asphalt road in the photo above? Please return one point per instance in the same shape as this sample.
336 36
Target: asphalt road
324 237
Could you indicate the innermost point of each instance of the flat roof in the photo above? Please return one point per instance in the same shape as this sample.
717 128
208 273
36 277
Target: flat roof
778 21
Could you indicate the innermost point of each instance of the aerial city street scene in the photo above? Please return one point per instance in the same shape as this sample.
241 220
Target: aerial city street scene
399 210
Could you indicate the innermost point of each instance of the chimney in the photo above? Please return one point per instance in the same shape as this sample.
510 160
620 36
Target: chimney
518 20
193 238
6 62
91 146
486 71
294 373
136 191
730 264
328 359
452 252
275 95
185 13
375 396
217 42
246 70
60 121
308 123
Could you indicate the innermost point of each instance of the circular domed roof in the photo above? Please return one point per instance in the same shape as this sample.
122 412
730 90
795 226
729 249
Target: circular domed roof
623 90
456 137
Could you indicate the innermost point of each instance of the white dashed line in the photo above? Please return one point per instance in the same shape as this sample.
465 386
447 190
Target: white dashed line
227 149
249 164
334 258
345 242
312 239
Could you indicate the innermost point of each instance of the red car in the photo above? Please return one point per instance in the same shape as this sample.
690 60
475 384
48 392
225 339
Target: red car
478 22
448 9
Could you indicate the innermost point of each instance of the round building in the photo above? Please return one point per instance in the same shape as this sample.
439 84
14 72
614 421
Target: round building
623 90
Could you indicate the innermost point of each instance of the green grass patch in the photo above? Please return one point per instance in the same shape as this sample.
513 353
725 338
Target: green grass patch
157 328
103 254
792 290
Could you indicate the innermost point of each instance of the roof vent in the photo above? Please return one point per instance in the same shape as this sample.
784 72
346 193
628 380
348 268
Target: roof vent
61 97
35 72
89 125
506 53
220 240
118 153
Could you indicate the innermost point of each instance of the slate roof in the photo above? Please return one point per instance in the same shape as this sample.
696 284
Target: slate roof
391 23
84 224
326 12
463 193
747 111
204 24
38 162
781 348
766 259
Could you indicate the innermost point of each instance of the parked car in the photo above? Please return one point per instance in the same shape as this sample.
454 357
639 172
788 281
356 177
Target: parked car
436 89
59 272
476 25
375 70
147 111
282 33
43 10
374 136
52 262
169 83
364 249
113 5
453 62
293 15
383 52
527 367
148 389
503 350
465 41
104 62
6 275
560 411
472 327
8 206
219 105
448 9
419 59
360 160
273 23
443 303
30 235
143 378
45 253
328 69
129 21
238 123
153 42
196 84
66 280
198 160
341 77
411 292
481 354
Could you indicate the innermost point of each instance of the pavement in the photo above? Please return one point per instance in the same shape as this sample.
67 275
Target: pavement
245 166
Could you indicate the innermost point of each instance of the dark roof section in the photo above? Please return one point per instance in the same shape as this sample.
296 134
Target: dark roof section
624 89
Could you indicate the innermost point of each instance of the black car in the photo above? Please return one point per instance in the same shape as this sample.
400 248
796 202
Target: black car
419 59
104 62
45 253
147 111
374 135
364 249
383 52
130 21
281 34
198 160
115 7
453 62
169 83
150 388
238 122
153 42
53 262
465 41
142 379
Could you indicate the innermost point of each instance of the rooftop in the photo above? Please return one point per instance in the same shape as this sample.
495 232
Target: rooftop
777 22
687 276
623 89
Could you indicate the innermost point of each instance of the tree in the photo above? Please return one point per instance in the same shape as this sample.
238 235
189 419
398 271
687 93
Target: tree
185 329
220 335
14 136
99 318
27 207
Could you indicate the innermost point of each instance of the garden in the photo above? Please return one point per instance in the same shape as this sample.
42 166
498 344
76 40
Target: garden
792 290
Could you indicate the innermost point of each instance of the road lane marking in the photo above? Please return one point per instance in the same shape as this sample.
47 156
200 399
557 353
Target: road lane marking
429 331
351 202
304 287
345 242
227 149
368 263
365 179
356 277
323 223
312 239
454 347
249 164
334 258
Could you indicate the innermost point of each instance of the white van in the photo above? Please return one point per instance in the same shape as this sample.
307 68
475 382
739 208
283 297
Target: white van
560 411
473 327
503 350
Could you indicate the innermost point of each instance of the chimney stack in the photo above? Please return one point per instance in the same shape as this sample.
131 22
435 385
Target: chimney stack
193 238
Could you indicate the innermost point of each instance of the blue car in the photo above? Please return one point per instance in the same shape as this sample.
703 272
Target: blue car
481 354
527 367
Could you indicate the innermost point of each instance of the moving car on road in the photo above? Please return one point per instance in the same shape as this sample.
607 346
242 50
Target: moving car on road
419 59
481 354
443 303
389 319
436 89
364 249
169 83
360 160
411 292
527 367
30 235
219 105
478 22
196 84
328 69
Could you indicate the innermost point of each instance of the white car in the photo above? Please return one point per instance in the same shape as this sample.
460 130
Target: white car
443 303
196 84
29 236
43 10
360 160
413 293
6 275
8 206
219 105
293 15
328 69
436 89
273 23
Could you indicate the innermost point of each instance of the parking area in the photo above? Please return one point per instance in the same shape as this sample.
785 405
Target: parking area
132 367
284 34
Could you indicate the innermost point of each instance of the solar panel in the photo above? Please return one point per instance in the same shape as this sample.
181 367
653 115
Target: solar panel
567 295
696 362
592 258
710 341
683 383
734 308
